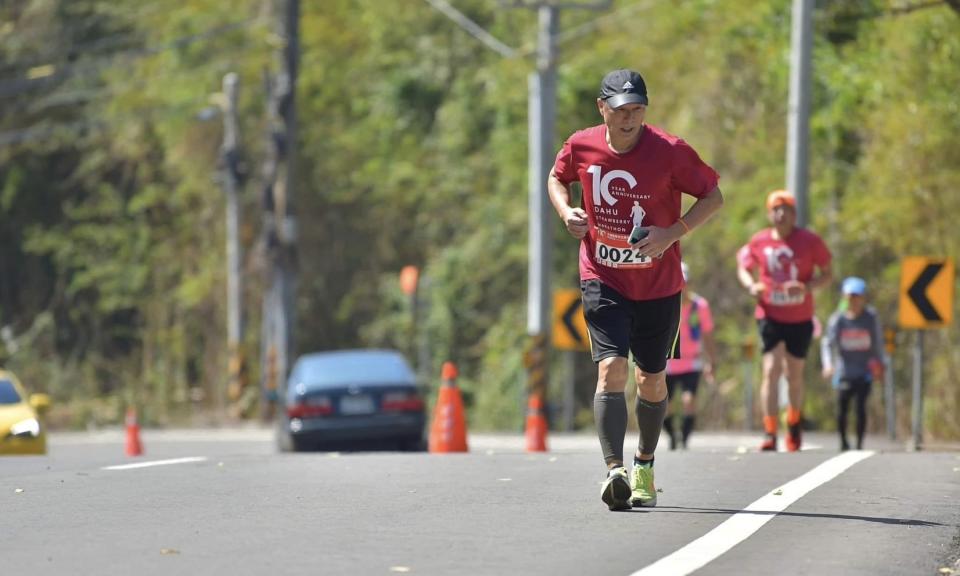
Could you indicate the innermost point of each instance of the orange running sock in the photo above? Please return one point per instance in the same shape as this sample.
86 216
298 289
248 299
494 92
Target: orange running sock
793 416
770 424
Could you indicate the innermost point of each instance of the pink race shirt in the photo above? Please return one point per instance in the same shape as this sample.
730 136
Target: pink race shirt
639 187
695 321
779 261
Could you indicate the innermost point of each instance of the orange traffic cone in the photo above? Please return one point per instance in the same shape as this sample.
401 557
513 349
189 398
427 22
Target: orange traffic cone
133 447
536 425
448 432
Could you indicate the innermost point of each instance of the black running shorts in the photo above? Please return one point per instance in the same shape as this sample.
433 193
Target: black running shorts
687 381
796 336
618 326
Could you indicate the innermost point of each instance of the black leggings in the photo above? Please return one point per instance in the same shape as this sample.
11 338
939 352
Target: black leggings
858 388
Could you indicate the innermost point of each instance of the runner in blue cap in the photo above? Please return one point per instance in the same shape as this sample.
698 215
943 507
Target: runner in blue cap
852 355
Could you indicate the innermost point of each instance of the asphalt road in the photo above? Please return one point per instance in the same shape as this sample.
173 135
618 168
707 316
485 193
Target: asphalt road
226 503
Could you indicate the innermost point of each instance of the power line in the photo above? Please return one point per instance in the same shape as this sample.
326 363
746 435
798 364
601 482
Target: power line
472 27
46 131
529 49
105 44
15 86
39 133
588 27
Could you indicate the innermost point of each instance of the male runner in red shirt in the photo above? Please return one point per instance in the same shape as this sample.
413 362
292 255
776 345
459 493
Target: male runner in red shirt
791 262
630 290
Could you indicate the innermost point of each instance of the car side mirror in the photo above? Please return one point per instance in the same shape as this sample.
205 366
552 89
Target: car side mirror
40 402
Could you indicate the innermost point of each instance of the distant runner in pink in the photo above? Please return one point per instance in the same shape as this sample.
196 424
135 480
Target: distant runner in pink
698 354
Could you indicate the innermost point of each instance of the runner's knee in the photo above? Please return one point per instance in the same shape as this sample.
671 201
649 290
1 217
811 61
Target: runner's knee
612 374
651 387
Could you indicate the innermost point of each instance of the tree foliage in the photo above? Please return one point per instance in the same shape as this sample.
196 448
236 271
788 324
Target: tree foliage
412 150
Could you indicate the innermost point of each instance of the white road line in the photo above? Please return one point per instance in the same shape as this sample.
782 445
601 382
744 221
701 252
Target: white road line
741 525
156 463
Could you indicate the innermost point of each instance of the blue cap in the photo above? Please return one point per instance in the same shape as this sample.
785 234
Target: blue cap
854 285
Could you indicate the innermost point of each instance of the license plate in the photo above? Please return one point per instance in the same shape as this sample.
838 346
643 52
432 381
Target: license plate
360 404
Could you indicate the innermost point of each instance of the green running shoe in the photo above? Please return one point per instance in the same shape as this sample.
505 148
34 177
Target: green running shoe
644 493
616 490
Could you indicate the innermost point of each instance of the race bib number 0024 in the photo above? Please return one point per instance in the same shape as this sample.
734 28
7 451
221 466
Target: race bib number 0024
614 251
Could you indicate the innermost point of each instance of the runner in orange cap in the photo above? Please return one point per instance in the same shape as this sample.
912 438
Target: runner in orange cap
789 262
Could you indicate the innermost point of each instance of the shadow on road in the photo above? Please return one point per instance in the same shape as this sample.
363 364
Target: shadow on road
897 521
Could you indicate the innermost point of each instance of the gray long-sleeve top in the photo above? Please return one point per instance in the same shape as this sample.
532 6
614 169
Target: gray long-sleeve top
849 344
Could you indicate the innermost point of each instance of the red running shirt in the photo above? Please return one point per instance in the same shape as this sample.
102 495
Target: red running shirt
641 186
779 261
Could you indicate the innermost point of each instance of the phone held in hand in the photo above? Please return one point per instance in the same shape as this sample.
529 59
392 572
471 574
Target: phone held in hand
637 234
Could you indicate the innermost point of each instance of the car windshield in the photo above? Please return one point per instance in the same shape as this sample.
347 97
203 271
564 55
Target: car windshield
359 367
8 393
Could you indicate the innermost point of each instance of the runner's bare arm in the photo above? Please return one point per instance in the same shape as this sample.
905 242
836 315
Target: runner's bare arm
827 350
710 347
660 239
575 219
796 287
823 278
701 211
747 281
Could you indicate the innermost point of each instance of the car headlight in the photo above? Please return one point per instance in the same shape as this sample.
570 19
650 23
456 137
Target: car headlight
29 427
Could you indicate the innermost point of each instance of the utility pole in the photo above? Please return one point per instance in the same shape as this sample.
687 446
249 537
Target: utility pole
889 395
229 158
916 420
798 121
279 224
542 90
542 86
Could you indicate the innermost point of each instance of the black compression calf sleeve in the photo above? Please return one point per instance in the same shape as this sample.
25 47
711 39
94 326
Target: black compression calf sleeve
610 414
688 423
843 406
668 425
861 419
650 420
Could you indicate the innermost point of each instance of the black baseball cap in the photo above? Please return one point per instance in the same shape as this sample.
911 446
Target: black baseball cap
623 87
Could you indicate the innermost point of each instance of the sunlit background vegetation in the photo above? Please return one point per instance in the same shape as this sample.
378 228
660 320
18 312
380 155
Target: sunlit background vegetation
413 151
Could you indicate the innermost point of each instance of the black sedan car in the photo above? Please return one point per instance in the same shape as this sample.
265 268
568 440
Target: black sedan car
351 398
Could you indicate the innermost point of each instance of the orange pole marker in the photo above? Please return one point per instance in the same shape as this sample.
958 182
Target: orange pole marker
133 445
536 431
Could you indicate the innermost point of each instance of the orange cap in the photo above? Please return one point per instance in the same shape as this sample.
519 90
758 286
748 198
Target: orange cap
778 197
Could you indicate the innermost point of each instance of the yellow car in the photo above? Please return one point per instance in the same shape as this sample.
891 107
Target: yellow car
21 431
